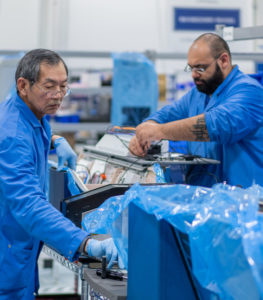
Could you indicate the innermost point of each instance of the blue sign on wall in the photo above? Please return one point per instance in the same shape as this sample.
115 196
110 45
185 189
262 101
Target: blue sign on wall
205 19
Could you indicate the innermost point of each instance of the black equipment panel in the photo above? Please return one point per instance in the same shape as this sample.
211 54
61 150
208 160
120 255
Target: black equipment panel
73 207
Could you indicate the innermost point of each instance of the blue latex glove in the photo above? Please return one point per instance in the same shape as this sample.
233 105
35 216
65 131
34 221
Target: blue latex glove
65 153
103 248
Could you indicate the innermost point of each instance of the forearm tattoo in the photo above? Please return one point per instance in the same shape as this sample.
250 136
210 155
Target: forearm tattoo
200 130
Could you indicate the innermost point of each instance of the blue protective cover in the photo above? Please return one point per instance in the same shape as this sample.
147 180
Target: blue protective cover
135 88
73 188
8 65
223 225
160 177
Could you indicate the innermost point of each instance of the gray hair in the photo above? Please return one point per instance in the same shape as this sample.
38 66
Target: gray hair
29 66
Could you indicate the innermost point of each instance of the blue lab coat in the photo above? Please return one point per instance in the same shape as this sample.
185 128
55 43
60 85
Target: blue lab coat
26 217
234 118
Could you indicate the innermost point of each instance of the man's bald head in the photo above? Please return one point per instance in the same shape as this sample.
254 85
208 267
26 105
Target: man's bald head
216 44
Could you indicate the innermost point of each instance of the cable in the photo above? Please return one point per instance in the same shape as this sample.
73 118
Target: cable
127 169
120 130
87 172
122 141
189 176
95 179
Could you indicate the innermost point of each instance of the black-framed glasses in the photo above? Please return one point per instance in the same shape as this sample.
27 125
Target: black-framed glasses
52 91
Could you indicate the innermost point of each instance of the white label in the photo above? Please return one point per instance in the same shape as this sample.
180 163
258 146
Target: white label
228 33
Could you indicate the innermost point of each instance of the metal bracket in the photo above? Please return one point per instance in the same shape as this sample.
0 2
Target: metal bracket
74 267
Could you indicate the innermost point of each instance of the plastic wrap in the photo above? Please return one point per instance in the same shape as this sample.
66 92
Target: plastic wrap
223 225
8 64
135 89
71 183
160 178
72 186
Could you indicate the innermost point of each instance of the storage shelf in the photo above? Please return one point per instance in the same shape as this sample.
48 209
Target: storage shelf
153 55
74 127
255 56
91 90
237 34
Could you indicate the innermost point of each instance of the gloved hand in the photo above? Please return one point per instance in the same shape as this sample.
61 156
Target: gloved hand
65 153
103 248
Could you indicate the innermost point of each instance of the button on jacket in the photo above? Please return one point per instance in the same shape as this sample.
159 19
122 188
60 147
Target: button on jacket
26 217
234 119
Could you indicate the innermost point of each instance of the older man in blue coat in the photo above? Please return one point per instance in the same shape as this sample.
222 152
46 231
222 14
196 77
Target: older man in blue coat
26 217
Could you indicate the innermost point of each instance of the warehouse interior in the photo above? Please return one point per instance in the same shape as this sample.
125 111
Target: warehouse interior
175 238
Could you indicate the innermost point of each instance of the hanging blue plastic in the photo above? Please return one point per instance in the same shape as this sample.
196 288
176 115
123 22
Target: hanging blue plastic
160 178
8 64
71 184
223 225
73 189
135 89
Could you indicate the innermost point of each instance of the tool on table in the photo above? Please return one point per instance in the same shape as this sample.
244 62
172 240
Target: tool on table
110 274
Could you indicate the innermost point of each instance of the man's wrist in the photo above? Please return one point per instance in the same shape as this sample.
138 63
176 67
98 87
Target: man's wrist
53 140
162 132
83 245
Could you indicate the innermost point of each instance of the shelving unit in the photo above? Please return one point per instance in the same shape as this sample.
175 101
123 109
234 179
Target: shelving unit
240 34
228 33
74 127
91 90
151 54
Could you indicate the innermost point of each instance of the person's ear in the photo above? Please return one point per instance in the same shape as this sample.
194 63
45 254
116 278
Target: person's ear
22 85
224 60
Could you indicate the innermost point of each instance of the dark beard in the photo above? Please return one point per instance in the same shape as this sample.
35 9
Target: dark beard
210 85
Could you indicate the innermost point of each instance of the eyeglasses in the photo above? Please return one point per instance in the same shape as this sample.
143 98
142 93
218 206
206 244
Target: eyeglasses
52 91
199 70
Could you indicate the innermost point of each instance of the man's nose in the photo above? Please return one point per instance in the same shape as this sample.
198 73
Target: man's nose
195 74
56 94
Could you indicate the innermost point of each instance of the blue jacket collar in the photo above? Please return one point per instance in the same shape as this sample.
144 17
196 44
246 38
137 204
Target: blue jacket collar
227 80
27 112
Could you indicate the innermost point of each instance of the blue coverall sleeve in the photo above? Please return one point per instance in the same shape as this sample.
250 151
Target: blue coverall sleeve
21 190
237 116
176 111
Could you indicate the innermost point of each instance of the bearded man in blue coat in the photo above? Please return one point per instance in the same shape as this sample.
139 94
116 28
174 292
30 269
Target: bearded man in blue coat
220 118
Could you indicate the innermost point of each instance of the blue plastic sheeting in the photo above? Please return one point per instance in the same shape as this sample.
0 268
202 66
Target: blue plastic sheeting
223 225
8 64
73 189
160 178
135 89
71 183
